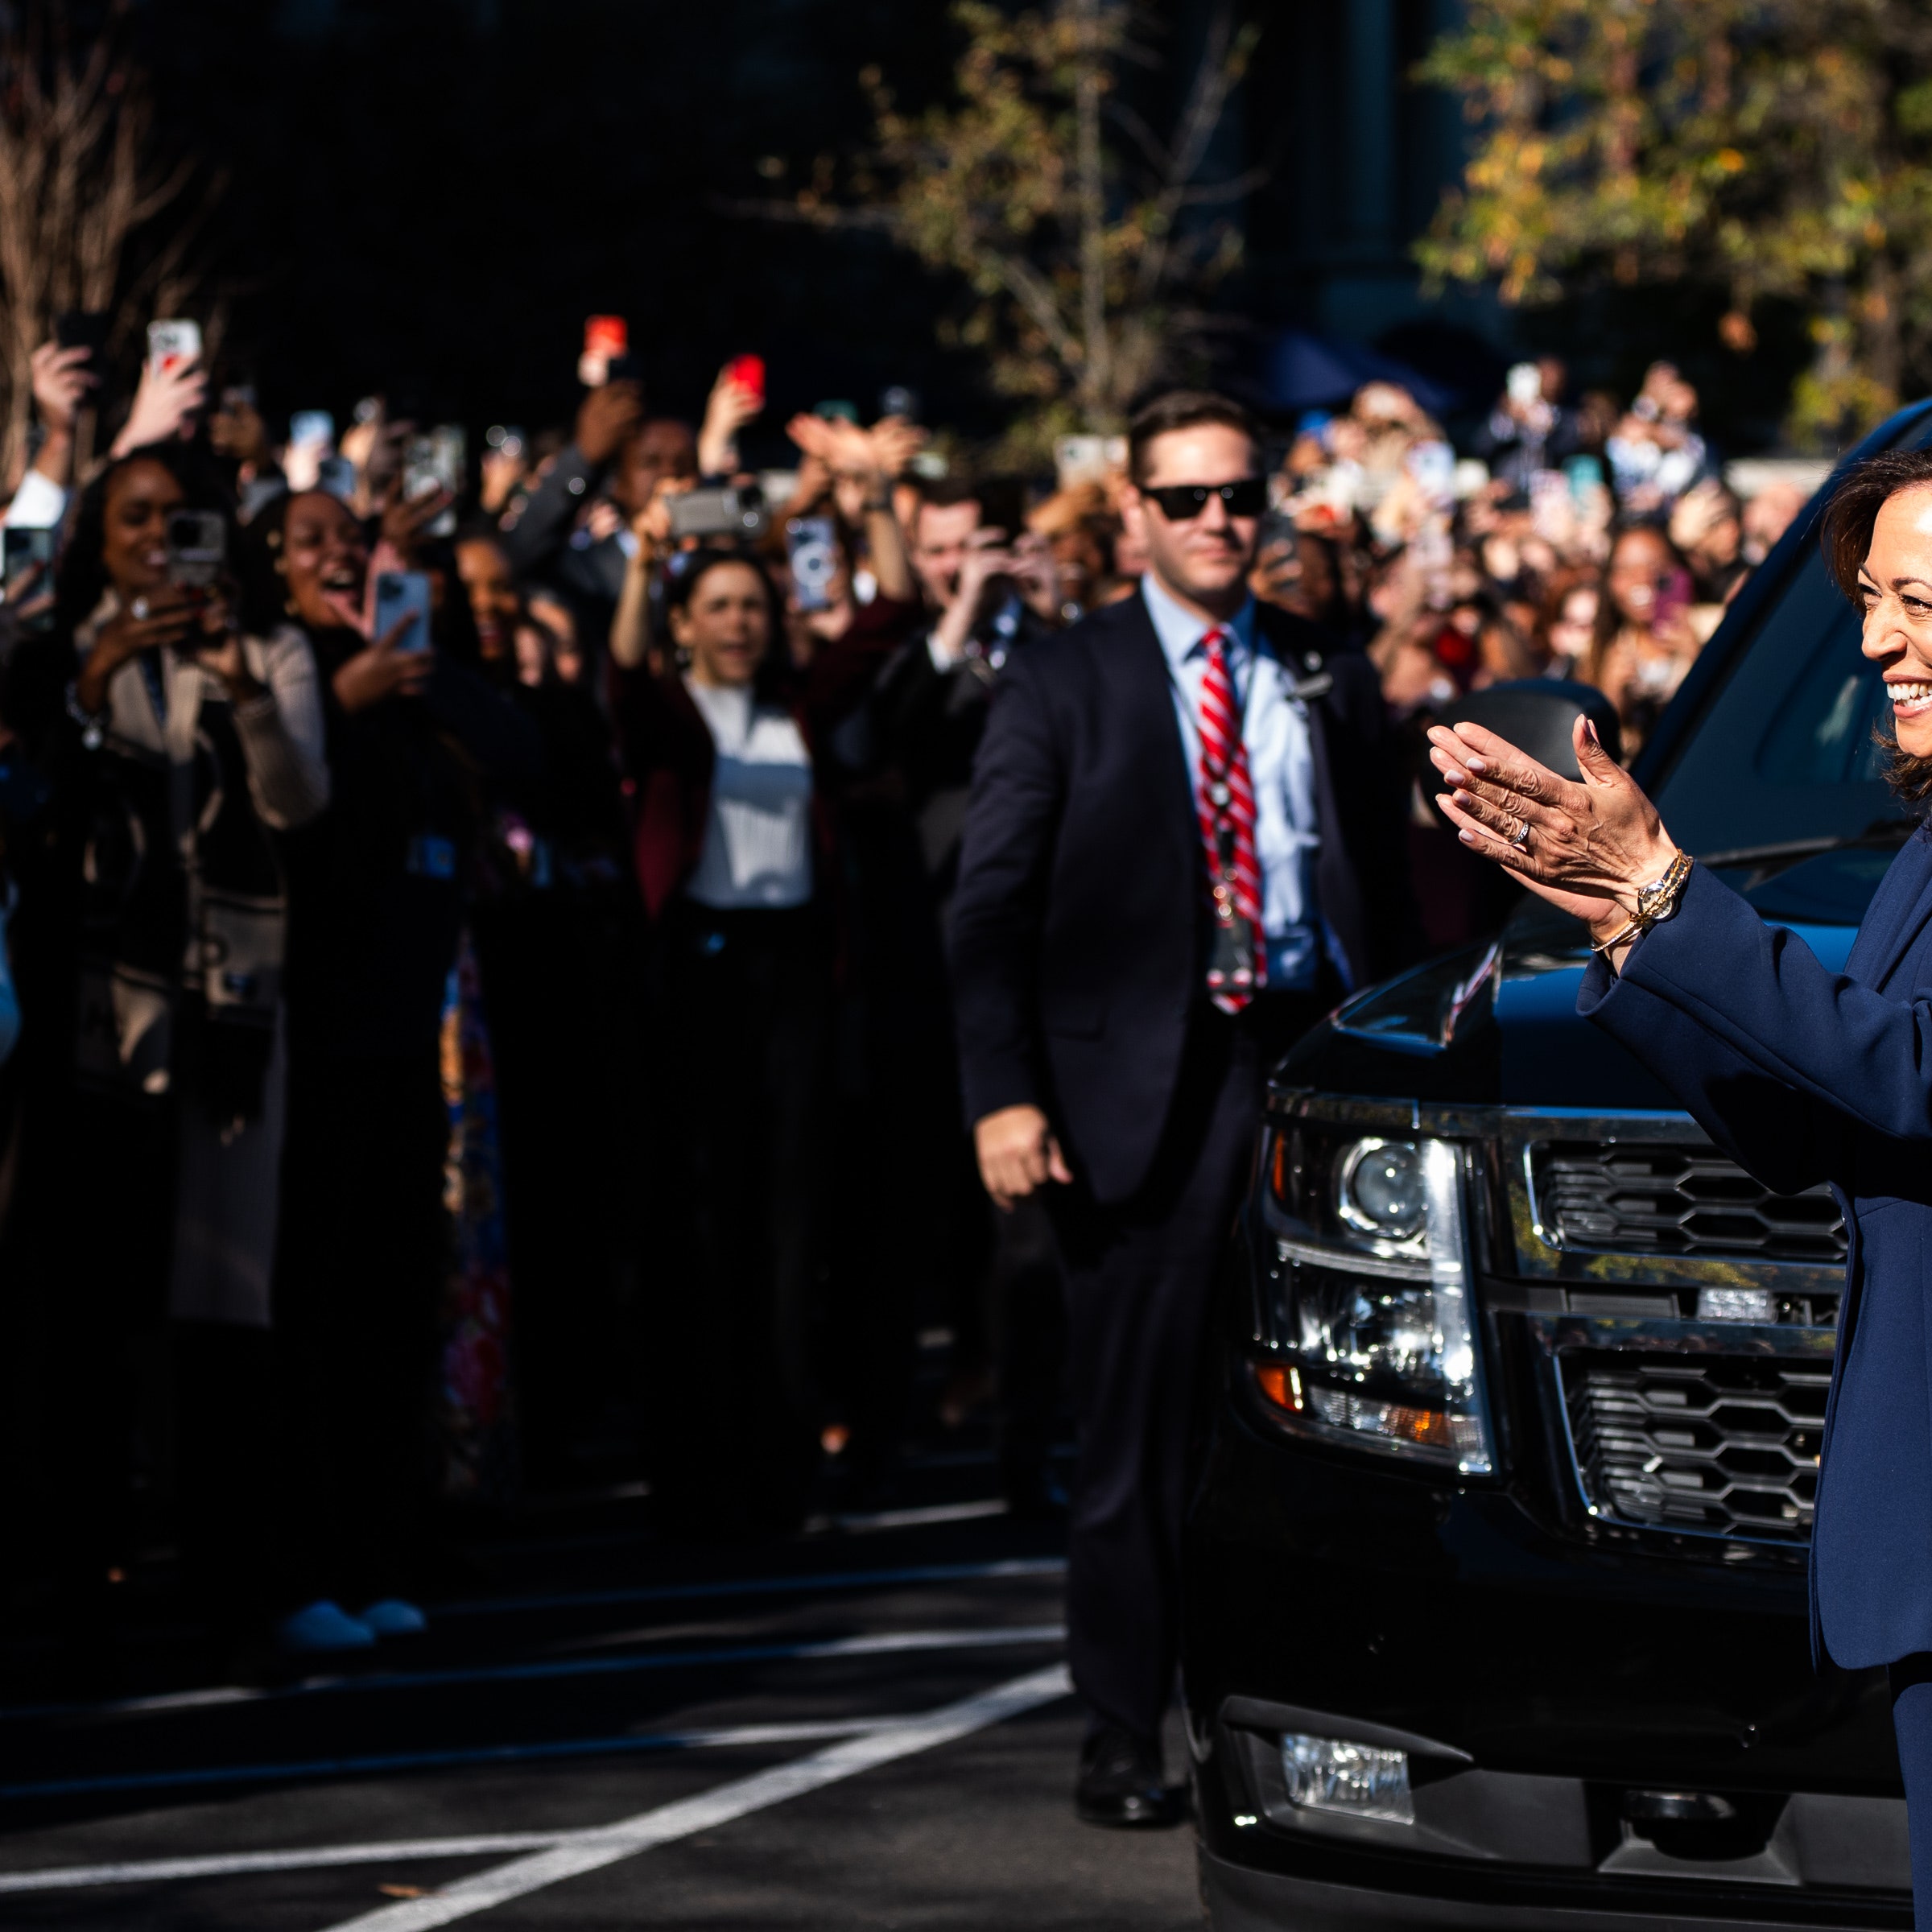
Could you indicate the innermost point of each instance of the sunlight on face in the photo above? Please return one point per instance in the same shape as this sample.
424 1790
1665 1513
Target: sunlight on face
1895 589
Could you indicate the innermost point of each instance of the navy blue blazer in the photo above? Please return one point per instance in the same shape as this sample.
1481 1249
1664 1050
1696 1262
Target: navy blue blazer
1079 925
1802 1075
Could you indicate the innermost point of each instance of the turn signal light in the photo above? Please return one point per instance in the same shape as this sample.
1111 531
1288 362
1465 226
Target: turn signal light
1281 1384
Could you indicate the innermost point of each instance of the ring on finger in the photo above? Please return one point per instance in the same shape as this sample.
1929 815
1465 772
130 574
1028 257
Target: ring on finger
1522 836
138 609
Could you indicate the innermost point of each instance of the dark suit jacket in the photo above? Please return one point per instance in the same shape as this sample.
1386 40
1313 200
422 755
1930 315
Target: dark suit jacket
1805 1075
1079 921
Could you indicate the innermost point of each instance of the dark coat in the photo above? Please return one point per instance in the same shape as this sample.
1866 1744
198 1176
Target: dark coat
1805 1075
1080 920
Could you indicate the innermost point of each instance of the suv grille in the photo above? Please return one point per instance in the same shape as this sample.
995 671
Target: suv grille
1720 1445
1639 1198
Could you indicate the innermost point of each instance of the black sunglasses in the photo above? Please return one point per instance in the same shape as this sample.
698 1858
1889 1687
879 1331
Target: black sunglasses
1182 502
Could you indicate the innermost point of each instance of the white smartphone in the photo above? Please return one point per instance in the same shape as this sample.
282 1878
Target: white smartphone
171 345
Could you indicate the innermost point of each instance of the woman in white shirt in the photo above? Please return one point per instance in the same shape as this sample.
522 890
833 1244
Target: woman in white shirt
734 856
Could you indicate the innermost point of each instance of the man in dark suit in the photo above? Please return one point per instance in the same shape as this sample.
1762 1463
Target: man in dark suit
1184 839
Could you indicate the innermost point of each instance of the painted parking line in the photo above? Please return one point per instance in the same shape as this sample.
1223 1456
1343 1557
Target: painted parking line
880 1644
871 1521
707 1738
665 1823
877 1643
799 1583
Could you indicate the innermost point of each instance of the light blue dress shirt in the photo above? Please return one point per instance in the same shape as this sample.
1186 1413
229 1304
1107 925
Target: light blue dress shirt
1280 766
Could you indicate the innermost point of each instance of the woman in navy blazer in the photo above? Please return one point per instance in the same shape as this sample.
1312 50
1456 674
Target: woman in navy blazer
1801 1074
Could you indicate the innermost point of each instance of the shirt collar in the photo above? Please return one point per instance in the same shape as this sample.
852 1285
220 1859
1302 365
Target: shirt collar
1180 631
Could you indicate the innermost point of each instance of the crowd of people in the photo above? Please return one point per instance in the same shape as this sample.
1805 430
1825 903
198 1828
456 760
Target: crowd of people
476 938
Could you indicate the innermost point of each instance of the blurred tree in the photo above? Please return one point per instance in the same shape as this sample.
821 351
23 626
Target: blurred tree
1082 235
91 216
1775 148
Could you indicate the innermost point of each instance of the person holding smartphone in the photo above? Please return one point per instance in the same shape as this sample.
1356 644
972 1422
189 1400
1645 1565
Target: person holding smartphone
609 472
416 740
181 743
1644 642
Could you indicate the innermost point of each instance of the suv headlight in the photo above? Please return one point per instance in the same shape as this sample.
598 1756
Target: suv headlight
1373 1322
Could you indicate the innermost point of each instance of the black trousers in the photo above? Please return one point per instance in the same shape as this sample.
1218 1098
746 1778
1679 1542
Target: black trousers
736 1406
361 1253
1139 1275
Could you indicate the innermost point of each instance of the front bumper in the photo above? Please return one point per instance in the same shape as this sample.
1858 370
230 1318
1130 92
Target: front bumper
1242 1899
1537 1681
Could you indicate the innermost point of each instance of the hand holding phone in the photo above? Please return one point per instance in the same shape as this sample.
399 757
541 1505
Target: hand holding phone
164 404
29 576
403 608
605 338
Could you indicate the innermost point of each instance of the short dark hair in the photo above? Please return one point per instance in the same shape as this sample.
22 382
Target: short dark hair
1183 409
1848 522
1853 510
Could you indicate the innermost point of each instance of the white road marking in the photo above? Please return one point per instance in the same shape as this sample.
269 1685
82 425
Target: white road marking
227 1864
864 1524
594 1850
881 1643
231 1864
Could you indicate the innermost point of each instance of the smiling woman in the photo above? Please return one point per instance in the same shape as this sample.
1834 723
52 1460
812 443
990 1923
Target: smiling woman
1878 542
1802 1075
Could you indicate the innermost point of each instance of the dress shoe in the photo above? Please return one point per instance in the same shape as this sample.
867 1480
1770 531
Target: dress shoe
1122 1782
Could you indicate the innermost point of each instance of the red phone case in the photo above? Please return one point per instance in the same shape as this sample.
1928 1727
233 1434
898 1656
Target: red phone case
748 373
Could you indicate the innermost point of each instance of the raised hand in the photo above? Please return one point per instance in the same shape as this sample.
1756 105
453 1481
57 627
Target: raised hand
1586 848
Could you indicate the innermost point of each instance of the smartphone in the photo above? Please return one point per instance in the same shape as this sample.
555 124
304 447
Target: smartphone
1672 596
1079 459
172 344
1526 384
1586 475
336 475
436 462
314 427
29 570
747 372
83 328
604 338
197 548
897 400
812 543
400 594
728 512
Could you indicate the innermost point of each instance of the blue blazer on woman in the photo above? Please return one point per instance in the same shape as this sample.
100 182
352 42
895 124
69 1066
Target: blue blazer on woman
1803 1075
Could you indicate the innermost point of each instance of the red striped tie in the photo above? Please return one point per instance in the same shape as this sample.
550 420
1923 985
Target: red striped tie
1226 803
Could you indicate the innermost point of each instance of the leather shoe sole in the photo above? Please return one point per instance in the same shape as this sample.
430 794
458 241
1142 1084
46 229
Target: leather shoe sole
1130 1811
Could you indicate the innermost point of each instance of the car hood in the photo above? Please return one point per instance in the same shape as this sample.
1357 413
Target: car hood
1495 1023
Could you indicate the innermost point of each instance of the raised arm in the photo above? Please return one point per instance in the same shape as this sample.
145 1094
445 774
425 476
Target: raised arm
1756 990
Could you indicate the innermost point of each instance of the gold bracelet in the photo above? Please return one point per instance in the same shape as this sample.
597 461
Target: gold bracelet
1656 902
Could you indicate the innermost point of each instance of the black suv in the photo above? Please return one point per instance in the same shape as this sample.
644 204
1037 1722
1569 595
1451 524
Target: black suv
1495 1565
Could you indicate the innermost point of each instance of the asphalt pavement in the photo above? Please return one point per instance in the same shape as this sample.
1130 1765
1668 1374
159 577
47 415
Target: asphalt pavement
865 1726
